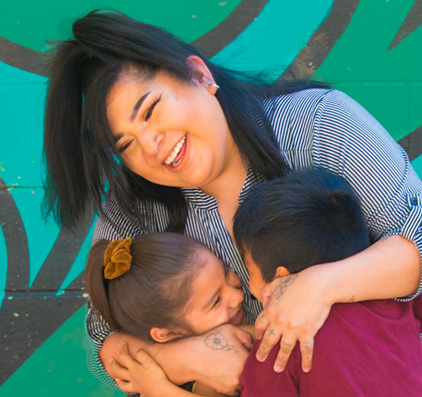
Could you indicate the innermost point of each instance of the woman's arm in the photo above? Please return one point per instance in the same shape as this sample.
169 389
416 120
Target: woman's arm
389 268
215 359
348 141
143 375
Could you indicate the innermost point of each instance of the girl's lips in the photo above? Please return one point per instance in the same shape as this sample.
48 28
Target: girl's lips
238 318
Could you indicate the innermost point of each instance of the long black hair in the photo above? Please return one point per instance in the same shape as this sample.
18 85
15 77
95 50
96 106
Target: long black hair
79 151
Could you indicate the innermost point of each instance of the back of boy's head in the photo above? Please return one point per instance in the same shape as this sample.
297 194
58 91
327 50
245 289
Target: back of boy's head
305 218
155 289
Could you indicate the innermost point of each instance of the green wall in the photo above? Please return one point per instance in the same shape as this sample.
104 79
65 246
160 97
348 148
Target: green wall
371 49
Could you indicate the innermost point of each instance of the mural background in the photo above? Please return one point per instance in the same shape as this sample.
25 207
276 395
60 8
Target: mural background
371 49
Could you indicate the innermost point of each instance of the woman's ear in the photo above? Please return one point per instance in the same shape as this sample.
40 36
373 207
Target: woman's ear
162 335
201 74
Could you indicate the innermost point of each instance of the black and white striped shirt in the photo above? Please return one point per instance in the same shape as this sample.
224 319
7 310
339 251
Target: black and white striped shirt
314 128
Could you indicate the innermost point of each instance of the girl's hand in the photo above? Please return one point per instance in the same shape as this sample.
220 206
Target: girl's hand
141 374
296 307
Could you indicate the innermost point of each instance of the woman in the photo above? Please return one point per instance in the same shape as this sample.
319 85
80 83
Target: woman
180 141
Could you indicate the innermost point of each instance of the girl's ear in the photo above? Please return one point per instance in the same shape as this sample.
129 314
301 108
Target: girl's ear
162 335
201 74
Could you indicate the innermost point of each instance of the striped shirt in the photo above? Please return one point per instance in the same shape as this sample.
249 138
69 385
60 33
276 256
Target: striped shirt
314 128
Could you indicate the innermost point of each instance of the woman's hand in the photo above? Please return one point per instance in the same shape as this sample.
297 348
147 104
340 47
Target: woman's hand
296 307
111 349
140 374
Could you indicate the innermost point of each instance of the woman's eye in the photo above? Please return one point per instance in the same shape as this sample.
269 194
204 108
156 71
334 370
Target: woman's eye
148 114
122 148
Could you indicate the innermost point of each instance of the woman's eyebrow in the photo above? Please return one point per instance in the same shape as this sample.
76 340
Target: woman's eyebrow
138 105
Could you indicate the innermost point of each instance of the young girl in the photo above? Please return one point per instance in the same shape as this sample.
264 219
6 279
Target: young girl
159 294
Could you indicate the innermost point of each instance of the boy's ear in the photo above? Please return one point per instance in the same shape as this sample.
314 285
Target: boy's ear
281 272
162 335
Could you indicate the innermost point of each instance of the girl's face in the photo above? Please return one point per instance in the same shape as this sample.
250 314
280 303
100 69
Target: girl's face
169 132
216 297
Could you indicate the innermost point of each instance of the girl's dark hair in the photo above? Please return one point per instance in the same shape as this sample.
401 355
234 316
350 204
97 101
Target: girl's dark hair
79 150
154 291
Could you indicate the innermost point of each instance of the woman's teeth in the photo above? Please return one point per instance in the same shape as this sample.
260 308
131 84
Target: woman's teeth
175 152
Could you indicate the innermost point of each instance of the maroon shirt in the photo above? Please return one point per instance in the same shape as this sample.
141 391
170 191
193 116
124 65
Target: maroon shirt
364 349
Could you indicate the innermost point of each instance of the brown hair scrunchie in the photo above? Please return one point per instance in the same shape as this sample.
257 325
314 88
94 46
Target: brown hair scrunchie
117 258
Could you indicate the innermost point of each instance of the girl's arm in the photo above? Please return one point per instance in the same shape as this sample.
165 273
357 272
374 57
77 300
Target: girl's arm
348 141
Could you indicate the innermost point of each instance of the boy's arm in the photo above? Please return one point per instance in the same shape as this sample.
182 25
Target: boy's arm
215 358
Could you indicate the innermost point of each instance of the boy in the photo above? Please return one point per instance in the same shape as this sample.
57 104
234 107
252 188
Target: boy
364 349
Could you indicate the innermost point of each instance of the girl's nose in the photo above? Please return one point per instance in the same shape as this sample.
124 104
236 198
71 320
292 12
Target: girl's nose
236 297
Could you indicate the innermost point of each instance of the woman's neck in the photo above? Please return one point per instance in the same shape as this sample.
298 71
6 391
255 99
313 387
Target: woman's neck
227 188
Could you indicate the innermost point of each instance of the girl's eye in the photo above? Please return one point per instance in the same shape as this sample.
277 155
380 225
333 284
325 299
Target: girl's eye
148 114
124 147
217 301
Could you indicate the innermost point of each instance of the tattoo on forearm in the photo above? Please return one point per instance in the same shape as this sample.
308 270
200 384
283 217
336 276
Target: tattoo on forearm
271 332
217 341
282 288
352 299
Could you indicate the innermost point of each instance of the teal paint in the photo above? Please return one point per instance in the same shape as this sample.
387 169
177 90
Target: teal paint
386 82
30 23
274 39
11 75
79 265
22 97
417 165
58 367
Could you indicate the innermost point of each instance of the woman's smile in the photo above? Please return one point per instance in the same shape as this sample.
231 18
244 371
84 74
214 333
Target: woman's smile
177 154
170 133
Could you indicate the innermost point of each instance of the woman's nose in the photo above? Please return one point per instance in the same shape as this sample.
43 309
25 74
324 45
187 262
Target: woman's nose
150 140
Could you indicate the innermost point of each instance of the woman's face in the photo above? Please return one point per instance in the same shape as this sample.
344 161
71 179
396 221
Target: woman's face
169 132
216 297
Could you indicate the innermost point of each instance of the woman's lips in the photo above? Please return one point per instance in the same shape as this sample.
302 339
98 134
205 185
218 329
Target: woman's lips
177 153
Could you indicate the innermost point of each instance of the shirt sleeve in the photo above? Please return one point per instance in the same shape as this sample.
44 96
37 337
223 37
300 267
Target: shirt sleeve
350 142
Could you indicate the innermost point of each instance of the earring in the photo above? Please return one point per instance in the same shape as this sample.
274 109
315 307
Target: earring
211 84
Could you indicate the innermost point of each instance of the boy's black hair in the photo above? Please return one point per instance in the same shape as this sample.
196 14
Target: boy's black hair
305 218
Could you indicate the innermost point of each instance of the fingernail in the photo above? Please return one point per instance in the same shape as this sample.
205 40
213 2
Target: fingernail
278 369
259 358
307 369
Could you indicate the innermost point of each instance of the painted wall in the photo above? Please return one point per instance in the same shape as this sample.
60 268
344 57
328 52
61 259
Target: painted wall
371 49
